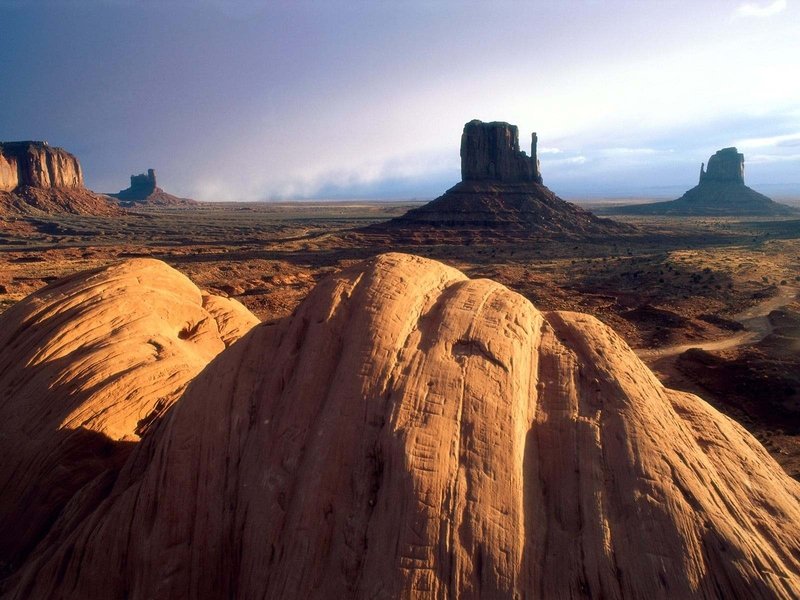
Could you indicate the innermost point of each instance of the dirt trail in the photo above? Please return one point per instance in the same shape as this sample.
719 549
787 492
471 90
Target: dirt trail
755 320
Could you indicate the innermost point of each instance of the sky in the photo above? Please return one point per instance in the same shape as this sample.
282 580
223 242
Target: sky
254 100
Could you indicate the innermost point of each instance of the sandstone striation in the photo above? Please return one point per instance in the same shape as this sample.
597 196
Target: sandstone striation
38 179
143 191
721 191
37 164
411 433
501 194
86 366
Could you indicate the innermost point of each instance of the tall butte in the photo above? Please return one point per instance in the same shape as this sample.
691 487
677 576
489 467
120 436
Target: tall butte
721 191
501 193
37 178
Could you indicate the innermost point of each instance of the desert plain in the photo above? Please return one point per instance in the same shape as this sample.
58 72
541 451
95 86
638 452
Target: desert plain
709 303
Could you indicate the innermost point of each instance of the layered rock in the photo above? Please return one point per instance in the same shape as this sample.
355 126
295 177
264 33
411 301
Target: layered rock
86 367
37 164
144 191
38 179
408 433
490 152
501 194
721 191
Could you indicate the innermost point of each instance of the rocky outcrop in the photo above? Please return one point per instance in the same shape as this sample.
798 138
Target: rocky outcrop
408 433
142 186
726 166
501 195
721 191
37 179
490 152
37 164
144 192
86 366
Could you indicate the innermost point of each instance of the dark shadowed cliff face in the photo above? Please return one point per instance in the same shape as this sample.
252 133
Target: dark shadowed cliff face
490 152
726 166
36 164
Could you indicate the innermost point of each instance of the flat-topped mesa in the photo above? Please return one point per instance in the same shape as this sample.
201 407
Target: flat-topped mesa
142 186
39 165
727 165
490 152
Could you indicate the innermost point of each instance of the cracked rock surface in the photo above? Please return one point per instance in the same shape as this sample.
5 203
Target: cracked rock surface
411 433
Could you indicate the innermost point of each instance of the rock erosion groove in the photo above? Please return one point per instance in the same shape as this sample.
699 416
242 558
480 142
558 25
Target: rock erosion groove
87 365
411 433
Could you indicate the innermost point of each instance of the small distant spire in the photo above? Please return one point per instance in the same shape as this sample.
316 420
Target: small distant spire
702 171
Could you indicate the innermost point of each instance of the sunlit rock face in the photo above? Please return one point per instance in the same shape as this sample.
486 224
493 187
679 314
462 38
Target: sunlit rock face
411 433
39 165
87 365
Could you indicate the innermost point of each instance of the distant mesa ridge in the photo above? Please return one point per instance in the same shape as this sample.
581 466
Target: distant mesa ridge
37 178
37 164
720 191
145 191
501 193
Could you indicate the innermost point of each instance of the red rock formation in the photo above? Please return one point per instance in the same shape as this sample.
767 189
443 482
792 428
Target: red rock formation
501 195
408 433
86 365
38 179
37 164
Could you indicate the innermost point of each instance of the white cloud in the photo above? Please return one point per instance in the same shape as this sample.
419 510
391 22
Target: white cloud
755 9
792 139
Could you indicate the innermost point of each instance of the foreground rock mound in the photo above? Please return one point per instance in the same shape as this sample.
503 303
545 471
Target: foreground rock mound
721 191
408 433
36 179
144 192
501 194
86 366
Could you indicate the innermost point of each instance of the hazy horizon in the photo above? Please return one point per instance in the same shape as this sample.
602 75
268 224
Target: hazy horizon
271 101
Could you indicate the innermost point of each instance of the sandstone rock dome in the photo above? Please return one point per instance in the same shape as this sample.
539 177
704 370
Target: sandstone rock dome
411 433
721 191
500 194
86 365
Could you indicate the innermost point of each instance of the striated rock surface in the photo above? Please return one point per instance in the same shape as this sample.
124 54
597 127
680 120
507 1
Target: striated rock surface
721 191
37 164
38 179
144 192
490 152
410 433
86 366
501 194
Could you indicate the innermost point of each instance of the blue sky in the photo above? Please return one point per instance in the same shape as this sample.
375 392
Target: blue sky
270 100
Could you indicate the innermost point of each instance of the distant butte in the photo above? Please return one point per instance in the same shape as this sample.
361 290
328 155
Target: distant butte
37 178
501 193
143 191
721 191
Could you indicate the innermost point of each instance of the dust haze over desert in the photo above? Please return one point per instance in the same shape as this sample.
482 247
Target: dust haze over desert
413 300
